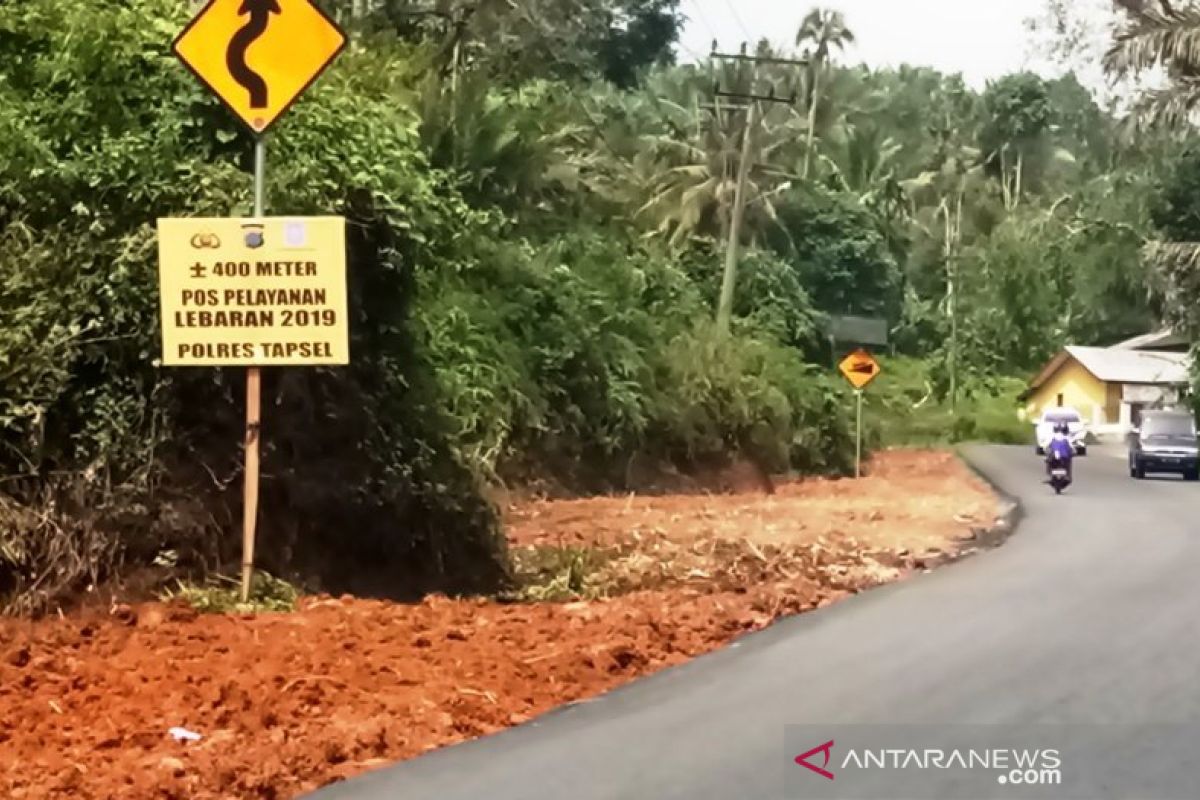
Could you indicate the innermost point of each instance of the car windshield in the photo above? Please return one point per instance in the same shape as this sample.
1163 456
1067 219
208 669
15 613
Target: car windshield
1173 425
1056 417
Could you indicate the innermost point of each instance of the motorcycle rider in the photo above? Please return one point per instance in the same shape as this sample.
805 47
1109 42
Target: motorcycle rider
1060 449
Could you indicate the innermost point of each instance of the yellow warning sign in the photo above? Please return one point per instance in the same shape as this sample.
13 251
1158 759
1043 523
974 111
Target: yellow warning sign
860 368
253 292
259 56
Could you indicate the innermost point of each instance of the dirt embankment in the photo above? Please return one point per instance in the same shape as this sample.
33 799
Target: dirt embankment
286 703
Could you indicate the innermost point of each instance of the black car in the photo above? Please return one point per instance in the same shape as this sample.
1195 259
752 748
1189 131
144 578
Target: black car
1165 442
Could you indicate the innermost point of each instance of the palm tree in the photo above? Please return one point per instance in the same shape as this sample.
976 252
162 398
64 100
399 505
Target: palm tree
505 147
1160 36
820 32
1163 36
862 160
688 168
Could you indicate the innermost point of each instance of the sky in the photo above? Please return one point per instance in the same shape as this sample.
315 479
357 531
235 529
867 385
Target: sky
982 39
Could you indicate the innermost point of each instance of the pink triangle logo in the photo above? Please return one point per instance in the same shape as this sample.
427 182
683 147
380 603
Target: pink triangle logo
827 749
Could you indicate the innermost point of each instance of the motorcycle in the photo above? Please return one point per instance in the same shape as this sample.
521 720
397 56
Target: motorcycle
1060 474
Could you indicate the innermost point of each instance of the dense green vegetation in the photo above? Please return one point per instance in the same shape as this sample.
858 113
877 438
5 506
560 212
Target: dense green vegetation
539 204
905 410
1164 37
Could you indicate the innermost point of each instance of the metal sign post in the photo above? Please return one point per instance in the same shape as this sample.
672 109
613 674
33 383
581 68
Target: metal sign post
253 406
860 369
858 434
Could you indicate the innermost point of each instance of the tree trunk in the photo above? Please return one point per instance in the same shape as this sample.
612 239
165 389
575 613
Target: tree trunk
454 55
953 235
948 251
1018 179
812 119
1005 184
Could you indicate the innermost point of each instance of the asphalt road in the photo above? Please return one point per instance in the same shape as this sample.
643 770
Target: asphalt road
1088 615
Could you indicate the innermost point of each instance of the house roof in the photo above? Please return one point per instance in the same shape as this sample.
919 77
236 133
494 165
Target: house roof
1149 341
1116 365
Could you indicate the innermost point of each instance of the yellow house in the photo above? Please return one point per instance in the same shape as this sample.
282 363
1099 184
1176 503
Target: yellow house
1109 387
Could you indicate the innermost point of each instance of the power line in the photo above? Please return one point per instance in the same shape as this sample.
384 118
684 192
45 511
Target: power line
760 59
737 18
704 20
700 58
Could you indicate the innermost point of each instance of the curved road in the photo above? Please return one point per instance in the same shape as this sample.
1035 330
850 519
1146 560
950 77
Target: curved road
1087 615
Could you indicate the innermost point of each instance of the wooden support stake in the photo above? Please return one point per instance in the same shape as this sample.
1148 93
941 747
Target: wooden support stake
250 489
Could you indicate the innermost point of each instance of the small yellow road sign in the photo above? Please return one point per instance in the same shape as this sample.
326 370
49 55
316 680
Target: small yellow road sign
253 292
259 56
860 368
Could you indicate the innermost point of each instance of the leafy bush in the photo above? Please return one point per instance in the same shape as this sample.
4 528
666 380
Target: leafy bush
841 258
770 300
572 356
723 394
904 404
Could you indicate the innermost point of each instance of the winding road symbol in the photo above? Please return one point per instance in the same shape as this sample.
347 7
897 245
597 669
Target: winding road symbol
260 12
259 56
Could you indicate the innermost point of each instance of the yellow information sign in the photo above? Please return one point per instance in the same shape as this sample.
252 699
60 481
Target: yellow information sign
860 368
259 56
253 292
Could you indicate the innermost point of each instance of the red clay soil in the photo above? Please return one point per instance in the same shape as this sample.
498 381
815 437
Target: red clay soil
909 499
287 703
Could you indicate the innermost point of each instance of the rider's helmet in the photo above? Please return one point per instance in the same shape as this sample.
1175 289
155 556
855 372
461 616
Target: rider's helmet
1062 428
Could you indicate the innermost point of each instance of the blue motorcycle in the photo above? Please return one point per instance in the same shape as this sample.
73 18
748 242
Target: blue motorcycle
1060 472
1059 453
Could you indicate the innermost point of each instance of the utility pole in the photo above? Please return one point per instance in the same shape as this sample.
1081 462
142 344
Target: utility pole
737 217
725 307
